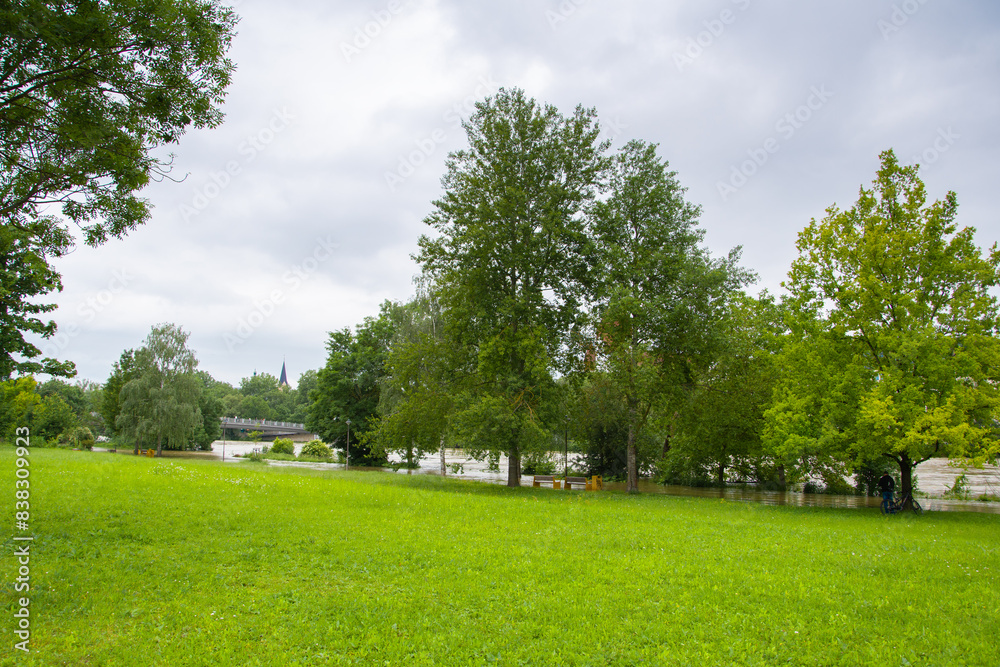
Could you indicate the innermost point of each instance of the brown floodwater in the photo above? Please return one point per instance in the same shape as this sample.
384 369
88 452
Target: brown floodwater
933 478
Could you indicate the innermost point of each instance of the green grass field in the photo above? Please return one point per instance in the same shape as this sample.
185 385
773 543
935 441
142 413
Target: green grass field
140 561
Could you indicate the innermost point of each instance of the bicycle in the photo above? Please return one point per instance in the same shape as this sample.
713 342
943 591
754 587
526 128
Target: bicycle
894 505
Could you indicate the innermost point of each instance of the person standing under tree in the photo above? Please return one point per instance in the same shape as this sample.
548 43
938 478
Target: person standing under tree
886 485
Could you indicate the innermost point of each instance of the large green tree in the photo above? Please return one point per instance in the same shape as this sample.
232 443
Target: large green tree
660 298
88 92
719 427
511 257
417 393
122 371
349 386
895 352
161 403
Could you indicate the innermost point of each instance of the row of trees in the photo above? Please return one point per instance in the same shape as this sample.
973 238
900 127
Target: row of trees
566 290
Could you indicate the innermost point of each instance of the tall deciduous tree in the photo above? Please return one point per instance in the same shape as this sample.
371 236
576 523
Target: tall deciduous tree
719 427
660 297
896 353
88 90
123 370
422 372
161 402
512 255
349 385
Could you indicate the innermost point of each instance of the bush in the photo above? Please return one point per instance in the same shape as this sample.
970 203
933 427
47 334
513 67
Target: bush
283 446
538 463
82 438
960 489
316 449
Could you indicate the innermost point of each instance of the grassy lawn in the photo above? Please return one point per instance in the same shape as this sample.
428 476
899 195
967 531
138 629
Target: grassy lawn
140 561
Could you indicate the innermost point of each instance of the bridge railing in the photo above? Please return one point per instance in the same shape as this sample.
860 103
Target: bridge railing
240 421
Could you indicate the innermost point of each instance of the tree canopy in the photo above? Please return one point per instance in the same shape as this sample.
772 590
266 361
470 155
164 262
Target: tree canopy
511 257
893 352
88 91
161 401
659 297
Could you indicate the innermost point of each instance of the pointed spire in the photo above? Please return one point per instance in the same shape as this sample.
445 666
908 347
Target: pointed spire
283 380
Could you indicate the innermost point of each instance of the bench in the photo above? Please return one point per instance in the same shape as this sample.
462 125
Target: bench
595 483
538 480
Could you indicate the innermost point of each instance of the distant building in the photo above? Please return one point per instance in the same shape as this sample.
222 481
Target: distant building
283 380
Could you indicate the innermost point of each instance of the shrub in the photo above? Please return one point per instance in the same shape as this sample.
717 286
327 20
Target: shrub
538 463
283 446
960 489
82 437
316 449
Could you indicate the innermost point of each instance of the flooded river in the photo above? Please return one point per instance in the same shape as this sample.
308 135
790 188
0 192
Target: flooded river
933 478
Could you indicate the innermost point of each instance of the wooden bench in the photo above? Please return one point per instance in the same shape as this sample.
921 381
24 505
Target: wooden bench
538 480
595 483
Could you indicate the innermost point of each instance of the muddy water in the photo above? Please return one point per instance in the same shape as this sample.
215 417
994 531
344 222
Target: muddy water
933 478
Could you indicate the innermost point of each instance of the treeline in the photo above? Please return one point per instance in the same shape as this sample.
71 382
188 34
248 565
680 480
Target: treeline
566 301
565 294
155 397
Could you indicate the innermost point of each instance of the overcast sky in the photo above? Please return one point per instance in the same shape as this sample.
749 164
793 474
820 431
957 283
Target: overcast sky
299 214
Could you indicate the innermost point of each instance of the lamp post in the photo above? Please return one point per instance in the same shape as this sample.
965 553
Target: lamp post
348 465
566 446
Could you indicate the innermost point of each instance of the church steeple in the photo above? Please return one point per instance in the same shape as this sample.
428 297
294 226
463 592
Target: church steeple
283 380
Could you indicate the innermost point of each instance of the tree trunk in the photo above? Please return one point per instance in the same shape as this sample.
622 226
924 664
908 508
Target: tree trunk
781 477
514 467
159 445
722 473
631 464
906 480
444 466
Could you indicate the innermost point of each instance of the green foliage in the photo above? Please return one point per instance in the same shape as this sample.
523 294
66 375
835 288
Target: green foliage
418 389
960 488
46 417
90 92
123 371
708 582
893 352
660 297
511 255
538 463
316 449
81 437
599 420
160 404
349 387
26 254
283 446
717 426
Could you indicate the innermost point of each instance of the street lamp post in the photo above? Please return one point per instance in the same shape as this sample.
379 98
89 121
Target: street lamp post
348 466
566 446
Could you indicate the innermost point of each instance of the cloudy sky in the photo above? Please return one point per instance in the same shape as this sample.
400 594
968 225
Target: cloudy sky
299 214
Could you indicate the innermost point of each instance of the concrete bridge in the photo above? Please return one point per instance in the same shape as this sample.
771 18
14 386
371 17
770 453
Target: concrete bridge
266 427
